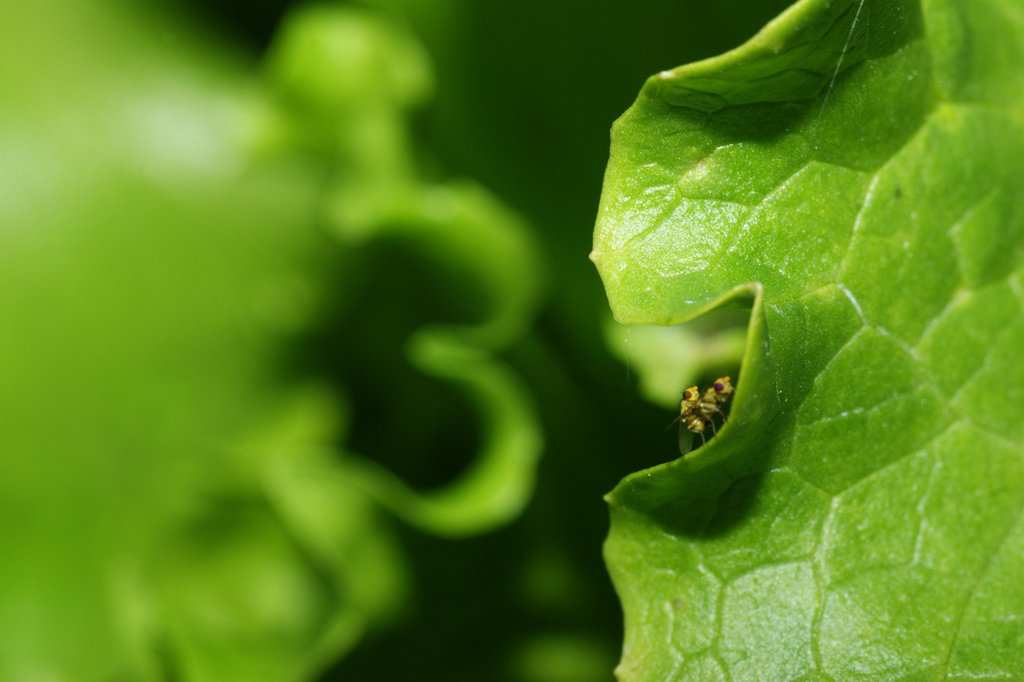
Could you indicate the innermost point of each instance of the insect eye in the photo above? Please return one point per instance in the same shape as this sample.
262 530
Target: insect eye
719 386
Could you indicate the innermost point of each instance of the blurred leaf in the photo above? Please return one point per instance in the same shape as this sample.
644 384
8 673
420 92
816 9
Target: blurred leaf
562 658
180 505
668 359
151 275
174 505
852 172
459 228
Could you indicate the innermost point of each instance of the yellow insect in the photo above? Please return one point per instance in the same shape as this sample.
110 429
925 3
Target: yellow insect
691 415
697 412
716 395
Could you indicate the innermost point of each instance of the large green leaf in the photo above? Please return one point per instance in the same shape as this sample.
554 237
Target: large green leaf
853 171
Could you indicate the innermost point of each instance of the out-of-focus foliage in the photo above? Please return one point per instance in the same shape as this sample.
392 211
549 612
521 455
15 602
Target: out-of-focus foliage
244 313
345 78
150 275
179 491
855 170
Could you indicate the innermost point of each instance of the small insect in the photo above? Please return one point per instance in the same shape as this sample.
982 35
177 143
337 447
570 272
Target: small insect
697 412
717 394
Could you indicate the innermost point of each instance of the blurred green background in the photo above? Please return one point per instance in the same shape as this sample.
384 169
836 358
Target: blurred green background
304 372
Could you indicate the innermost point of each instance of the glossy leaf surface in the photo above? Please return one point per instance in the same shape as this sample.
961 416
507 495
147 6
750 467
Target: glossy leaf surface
853 171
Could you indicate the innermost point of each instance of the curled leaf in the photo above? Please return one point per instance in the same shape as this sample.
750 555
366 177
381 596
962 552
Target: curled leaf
866 525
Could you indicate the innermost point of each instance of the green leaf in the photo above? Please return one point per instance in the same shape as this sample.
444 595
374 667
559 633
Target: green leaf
175 505
153 273
854 171
358 119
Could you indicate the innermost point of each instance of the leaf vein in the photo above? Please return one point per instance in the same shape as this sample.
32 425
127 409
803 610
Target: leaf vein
976 582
